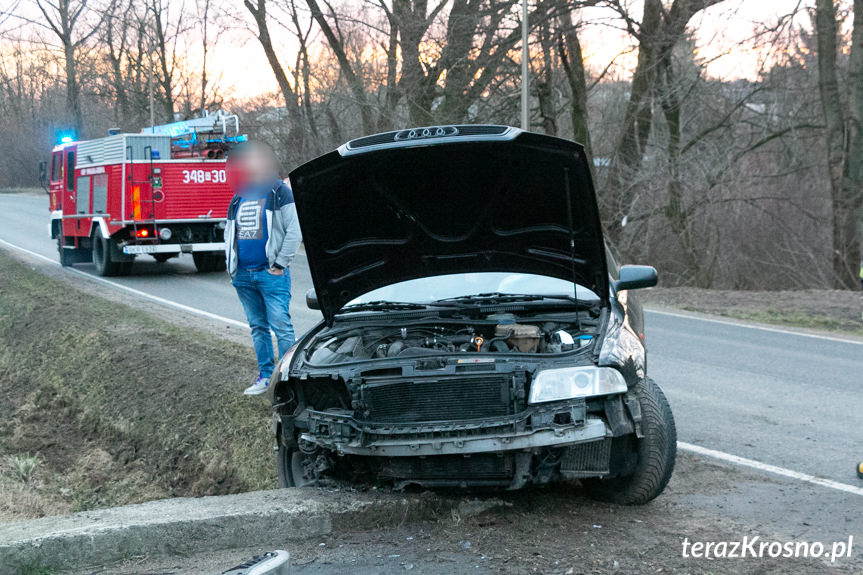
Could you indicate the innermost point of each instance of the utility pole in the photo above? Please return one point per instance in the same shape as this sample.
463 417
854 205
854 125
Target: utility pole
150 66
525 69
152 113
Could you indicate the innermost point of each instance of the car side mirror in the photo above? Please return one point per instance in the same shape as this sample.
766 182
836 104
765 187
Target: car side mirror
312 299
636 277
43 174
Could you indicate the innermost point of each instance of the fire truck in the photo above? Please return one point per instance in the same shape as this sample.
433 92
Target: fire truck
162 193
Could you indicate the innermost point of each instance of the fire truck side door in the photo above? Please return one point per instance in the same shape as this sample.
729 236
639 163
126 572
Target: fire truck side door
69 182
71 226
55 180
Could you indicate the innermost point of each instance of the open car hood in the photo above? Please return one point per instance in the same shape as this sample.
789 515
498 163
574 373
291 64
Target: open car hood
456 199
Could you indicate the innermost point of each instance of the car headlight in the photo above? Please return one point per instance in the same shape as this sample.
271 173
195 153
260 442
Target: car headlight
573 382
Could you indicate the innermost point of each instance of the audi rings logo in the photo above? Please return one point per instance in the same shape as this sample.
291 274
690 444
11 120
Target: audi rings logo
419 133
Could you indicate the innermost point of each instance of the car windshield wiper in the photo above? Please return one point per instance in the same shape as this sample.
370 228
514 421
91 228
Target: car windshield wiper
382 305
498 298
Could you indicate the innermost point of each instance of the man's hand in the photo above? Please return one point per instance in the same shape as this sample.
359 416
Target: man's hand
276 271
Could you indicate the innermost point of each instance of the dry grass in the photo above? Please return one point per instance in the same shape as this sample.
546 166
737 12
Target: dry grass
103 405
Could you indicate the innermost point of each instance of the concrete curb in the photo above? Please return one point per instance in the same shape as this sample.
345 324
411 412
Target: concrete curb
187 525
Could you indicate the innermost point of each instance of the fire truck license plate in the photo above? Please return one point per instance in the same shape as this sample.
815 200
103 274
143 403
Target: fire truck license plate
139 249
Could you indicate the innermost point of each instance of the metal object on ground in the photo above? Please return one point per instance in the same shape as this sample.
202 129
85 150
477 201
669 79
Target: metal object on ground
271 563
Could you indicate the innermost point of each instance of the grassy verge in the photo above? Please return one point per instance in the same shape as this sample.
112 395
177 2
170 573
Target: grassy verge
103 405
825 310
799 319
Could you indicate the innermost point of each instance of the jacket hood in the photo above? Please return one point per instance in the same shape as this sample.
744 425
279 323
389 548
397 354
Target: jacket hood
456 199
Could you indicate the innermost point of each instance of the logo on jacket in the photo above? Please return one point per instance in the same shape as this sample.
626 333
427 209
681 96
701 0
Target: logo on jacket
250 221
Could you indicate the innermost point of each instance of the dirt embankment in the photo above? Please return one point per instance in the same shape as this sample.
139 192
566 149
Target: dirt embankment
827 310
104 405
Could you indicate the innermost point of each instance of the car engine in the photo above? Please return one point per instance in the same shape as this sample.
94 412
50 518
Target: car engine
496 333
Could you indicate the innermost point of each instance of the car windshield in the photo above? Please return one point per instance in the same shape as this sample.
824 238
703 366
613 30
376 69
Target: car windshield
431 289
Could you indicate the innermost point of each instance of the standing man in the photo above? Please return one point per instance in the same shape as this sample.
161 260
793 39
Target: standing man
262 235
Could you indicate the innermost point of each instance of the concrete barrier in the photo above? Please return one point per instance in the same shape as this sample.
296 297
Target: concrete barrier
187 525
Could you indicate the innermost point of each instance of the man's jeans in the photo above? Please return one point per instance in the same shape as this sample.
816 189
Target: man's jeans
266 297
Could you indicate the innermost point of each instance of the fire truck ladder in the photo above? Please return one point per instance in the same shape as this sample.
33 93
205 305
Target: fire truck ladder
140 222
201 137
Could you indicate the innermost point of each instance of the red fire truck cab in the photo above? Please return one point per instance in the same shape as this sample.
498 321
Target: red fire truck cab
163 192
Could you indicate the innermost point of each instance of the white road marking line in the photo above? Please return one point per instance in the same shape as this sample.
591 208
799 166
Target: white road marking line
758 327
721 455
133 291
767 468
26 251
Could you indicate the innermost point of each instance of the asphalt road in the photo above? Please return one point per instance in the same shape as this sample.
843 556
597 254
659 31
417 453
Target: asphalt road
779 398
26 220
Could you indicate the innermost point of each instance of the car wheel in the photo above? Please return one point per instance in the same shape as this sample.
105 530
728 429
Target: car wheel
654 453
289 466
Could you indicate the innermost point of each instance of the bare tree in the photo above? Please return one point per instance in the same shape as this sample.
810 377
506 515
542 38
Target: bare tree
115 37
844 138
303 32
258 10
64 17
336 43
572 59
657 34
545 77
163 44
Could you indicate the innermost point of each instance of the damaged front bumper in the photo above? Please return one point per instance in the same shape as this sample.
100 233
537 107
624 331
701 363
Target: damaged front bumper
560 425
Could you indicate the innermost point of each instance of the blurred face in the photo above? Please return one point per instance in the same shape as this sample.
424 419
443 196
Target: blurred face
254 163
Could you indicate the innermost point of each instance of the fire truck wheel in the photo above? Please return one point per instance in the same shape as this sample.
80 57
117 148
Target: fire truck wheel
209 261
67 257
105 264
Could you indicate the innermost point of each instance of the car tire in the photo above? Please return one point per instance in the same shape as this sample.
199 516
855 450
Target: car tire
655 453
289 467
209 261
105 264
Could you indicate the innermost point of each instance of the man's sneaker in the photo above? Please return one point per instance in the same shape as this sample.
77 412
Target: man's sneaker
259 387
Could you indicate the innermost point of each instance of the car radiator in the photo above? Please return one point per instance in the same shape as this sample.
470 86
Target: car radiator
586 459
425 399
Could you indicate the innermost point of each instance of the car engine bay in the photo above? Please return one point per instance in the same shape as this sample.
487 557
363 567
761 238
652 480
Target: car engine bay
494 333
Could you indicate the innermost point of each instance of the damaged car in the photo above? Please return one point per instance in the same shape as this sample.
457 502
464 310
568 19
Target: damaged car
477 331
